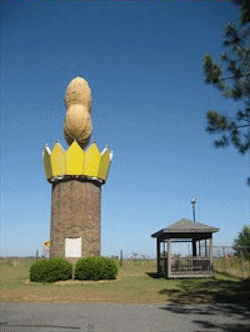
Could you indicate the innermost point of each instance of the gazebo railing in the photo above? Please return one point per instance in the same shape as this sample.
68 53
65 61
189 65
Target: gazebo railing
185 265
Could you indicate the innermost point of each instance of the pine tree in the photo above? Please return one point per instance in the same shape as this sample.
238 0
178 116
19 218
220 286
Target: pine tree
232 79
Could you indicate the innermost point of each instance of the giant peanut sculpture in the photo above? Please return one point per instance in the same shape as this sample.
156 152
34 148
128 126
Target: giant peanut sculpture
76 175
78 124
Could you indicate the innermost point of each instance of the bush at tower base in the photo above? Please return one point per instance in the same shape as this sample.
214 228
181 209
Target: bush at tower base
50 270
96 268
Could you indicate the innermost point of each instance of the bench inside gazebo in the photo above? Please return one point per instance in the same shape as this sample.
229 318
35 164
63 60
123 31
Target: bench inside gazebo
197 265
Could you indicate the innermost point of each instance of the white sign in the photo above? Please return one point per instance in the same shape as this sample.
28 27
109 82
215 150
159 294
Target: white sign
73 247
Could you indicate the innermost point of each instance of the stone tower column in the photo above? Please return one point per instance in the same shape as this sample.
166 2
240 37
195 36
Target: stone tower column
76 214
76 176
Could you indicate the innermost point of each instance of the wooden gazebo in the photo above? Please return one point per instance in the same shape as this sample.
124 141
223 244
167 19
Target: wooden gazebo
197 265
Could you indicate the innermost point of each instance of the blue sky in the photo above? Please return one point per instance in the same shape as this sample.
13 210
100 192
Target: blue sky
143 61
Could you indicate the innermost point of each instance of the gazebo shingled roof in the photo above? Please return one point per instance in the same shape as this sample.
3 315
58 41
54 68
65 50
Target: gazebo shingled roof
186 226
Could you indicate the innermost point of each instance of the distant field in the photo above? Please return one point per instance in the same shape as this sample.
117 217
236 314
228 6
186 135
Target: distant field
135 284
234 266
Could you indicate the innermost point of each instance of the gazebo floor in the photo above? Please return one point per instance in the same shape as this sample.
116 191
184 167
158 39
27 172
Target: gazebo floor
199 274
195 275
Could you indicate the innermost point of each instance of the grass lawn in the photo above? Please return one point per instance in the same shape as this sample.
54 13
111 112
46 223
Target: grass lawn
133 285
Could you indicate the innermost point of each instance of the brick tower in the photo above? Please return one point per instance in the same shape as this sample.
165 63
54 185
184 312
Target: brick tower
76 176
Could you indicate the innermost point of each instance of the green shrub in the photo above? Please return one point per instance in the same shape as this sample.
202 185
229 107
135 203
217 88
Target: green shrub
96 268
242 243
50 270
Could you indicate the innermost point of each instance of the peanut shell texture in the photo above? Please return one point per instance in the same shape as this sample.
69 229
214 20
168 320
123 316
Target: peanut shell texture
78 123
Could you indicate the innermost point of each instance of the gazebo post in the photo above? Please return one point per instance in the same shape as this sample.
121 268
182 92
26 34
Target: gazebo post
158 254
169 259
194 248
211 251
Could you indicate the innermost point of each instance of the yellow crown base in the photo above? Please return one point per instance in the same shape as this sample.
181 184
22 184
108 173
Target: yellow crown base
76 163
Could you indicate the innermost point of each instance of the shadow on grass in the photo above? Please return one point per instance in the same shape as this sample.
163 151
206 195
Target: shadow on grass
222 327
191 291
228 298
153 275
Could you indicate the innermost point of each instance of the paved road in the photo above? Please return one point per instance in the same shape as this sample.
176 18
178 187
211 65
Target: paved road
101 317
